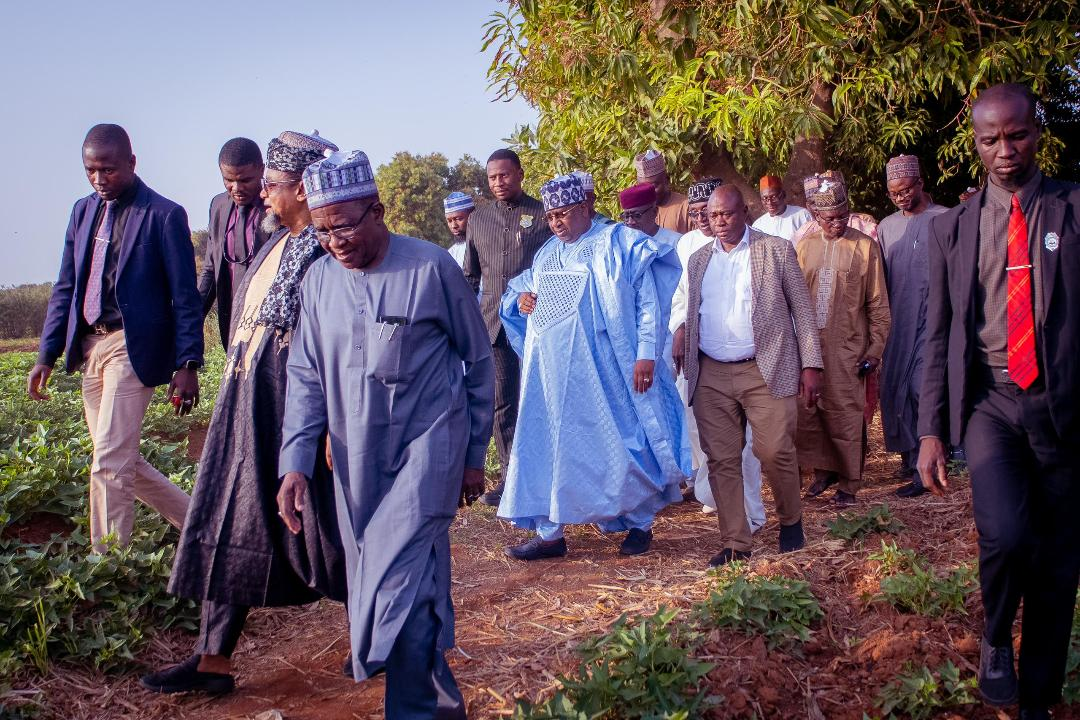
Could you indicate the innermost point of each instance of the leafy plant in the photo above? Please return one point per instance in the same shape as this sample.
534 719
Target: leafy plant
640 668
778 607
1071 691
910 585
852 526
921 694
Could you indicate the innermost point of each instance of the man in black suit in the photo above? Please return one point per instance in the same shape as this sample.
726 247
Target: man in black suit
500 241
1002 361
236 230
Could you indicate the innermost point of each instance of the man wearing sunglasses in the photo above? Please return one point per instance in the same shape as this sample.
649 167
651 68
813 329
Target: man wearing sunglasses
596 439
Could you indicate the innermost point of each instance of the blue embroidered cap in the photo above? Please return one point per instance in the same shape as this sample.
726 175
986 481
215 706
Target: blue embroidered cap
343 176
561 191
456 202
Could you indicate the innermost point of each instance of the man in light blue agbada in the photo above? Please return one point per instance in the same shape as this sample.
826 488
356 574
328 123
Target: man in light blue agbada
391 354
600 436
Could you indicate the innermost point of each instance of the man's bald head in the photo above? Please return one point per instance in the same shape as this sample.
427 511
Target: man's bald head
107 135
1007 93
727 214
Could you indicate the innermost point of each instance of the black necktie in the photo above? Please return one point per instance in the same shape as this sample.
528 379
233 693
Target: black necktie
238 247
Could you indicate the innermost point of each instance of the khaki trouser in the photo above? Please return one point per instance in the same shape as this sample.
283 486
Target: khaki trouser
729 395
115 403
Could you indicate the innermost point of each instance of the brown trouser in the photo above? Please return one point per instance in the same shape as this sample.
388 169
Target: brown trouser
729 395
115 402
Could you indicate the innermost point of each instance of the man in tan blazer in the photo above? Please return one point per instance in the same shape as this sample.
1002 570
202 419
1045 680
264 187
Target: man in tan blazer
748 347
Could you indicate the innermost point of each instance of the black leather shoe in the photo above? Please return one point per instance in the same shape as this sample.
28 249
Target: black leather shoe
997 675
493 496
791 537
636 542
538 549
186 677
844 499
1035 714
728 555
822 482
912 490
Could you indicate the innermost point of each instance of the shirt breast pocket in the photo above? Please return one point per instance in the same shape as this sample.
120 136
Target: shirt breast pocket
385 354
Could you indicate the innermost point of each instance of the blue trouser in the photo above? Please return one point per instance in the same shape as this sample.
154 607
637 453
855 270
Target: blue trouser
419 684
635 519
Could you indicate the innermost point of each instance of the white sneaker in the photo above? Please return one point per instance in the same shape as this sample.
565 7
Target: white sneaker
707 509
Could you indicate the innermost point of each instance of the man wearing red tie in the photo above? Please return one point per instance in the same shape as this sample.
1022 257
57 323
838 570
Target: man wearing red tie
1002 372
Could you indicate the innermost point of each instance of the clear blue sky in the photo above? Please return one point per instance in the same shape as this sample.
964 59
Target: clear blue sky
183 77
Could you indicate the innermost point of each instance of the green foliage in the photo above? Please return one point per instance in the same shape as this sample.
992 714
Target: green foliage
641 669
1071 691
736 87
412 188
57 599
922 694
777 607
852 526
910 585
22 309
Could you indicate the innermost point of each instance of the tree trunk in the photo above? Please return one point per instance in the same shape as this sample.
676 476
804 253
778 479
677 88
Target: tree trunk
808 153
717 162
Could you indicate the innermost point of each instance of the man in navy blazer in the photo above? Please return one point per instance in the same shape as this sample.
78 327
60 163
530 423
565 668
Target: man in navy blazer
126 311
1002 373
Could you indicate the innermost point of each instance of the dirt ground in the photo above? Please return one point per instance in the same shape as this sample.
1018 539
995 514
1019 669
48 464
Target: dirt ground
518 624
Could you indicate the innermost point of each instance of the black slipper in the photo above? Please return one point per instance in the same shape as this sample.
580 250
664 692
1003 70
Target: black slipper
186 677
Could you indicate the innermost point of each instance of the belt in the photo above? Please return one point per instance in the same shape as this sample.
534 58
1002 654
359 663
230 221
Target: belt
997 376
730 362
106 328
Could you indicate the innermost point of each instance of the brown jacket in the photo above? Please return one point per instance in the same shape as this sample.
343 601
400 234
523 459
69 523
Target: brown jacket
785 334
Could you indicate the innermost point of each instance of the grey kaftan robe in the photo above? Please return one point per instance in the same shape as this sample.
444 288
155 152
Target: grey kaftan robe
397 362
903 239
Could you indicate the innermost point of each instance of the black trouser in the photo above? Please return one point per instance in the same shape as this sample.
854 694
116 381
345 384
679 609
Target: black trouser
1026 497
507 389
220 626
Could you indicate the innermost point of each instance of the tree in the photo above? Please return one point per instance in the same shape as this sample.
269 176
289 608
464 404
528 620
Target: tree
737 88
412 188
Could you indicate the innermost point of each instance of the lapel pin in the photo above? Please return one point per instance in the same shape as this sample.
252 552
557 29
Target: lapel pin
1051 241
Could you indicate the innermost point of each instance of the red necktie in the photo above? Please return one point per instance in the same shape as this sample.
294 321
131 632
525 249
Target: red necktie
1023 367
92 299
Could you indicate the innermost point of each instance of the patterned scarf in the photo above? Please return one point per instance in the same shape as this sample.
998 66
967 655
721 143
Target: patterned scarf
282 304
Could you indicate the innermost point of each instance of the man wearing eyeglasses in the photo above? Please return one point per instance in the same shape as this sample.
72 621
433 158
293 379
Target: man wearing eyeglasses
846 278
903 236
235 232
597 440
234 553
638 205
780 219
392 355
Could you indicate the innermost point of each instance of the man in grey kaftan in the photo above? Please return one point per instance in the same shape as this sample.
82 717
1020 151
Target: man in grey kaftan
393 356
903 236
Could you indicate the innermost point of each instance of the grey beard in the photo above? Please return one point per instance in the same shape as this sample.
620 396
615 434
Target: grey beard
270 223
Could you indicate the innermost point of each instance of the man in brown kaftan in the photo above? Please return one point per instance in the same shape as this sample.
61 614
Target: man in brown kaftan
845 275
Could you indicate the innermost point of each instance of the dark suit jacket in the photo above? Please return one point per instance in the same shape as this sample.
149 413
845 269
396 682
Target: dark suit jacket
215 279
155 289
949 356
785 331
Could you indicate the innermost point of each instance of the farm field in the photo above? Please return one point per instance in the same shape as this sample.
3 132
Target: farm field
878 615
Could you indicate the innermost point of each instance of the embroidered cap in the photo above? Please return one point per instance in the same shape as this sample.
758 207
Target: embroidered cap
587 182
650 163
456 202
293 151
561 191
902 166
343 176
700 191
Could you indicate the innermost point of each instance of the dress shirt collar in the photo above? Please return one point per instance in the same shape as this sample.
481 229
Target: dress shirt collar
744 242
1002 197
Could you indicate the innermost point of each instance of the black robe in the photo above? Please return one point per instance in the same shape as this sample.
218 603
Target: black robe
234 547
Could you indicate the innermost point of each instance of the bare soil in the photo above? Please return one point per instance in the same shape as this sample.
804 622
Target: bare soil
518 624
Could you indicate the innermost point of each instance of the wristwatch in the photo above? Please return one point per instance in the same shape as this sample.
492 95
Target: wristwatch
190 365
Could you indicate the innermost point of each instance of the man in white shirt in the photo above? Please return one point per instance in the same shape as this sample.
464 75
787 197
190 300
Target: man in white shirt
780 219
749 346
458 207
699 236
